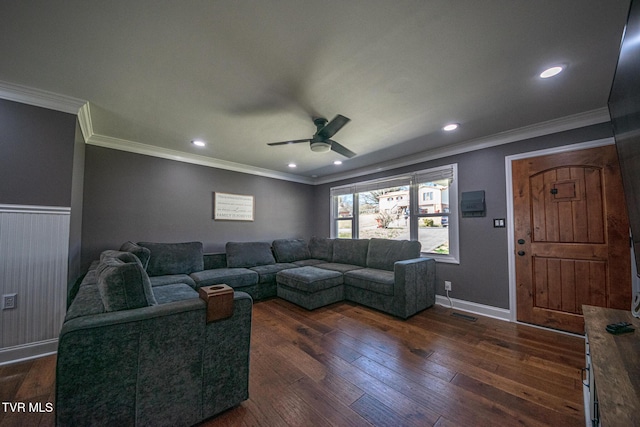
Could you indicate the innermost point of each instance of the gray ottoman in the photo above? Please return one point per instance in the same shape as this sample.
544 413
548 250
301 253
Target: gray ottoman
310 287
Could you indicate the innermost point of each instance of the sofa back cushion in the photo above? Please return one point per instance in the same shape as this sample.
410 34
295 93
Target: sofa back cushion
123 285
123 256
289 250
321 248
143 254
248 254
383 253
174 258
350 251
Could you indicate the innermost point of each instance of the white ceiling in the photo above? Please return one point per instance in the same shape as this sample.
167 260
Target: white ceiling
239 74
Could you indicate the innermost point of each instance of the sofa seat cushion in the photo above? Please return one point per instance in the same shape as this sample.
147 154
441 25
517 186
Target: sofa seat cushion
309 279
175 292
383 253
307 262
351 251
234 277
336 266
267 273
171 279
174 258
289 250
371 279
248 254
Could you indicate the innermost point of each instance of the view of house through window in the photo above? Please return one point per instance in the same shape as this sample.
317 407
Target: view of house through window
433 216
384 213
414 207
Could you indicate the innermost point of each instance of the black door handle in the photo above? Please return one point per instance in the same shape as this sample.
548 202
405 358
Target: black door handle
521 241
521 253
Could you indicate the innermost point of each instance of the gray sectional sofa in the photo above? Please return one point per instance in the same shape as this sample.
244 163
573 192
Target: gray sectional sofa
388 275
137 350
135 347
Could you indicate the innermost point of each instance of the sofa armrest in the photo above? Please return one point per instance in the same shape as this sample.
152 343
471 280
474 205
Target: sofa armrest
127 316
111 365
225 365
414 285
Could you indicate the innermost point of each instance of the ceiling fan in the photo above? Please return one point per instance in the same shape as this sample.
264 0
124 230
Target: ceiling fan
320 142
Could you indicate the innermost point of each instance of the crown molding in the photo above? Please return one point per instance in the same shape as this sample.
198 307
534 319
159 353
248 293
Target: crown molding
84 120
92 138
82 108
165 153
600 115
40 98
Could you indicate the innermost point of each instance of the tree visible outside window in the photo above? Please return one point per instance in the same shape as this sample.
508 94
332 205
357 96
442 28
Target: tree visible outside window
384 213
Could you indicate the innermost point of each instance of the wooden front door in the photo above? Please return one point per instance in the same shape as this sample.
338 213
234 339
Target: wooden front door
571 237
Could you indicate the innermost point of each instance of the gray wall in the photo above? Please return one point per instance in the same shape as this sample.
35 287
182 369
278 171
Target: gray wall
133 197
141 198
482 275
77 193
36 161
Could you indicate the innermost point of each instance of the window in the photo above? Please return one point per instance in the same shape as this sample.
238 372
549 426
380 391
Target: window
421 206
344 215
426 195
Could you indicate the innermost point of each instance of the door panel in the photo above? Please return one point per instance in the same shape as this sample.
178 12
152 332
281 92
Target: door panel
571 219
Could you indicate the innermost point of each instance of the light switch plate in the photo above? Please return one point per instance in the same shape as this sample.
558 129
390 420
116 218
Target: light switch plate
499 223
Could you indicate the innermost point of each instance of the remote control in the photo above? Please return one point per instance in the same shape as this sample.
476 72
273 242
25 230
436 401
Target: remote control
619 328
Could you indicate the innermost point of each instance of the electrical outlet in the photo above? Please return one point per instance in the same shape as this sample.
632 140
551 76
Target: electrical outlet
9 301
447 285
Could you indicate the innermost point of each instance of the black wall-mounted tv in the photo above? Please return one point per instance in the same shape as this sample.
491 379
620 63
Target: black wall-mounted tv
624 108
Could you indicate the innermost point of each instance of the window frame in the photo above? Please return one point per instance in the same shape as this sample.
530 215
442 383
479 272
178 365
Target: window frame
413 181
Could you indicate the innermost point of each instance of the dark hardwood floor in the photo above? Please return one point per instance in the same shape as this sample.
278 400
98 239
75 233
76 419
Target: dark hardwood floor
346 365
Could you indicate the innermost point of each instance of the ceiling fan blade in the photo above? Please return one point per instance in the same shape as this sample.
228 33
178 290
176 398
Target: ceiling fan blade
295 141
341 149
333 126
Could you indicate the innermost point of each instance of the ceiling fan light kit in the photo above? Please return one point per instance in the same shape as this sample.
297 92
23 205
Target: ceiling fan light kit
320 142
320 147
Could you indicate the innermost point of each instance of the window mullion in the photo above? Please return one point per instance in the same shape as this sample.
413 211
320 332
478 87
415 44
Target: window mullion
355 226
413 210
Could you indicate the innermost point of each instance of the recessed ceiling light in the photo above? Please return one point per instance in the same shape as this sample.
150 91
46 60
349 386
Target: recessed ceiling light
337 162
198 143
450 127
292 165
550 72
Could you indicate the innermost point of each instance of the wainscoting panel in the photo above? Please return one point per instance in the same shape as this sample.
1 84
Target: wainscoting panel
34 247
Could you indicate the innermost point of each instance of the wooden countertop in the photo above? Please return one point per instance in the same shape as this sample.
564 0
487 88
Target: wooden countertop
615 361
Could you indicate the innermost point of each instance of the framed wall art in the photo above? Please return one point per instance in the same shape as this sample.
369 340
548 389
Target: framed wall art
233 207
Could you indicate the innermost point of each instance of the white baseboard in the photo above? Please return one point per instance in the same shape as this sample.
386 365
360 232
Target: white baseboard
24 352
490 311
472 307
